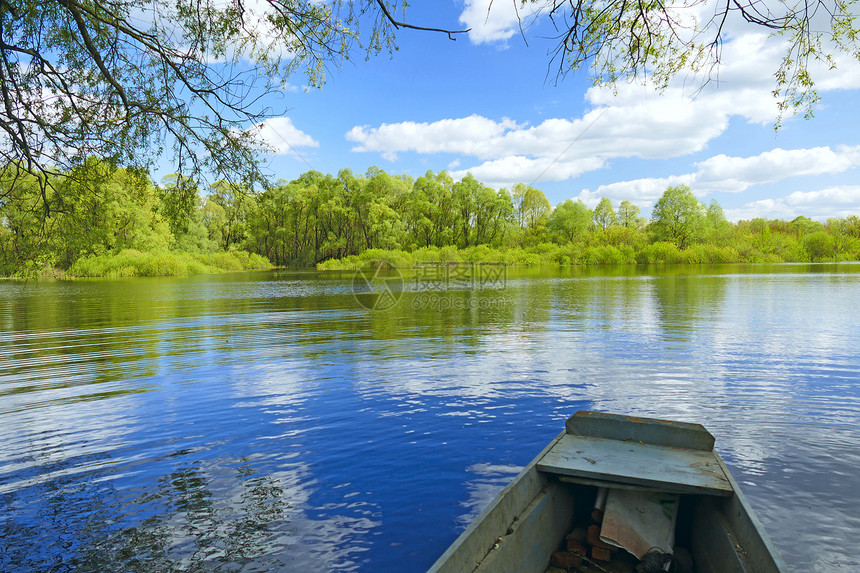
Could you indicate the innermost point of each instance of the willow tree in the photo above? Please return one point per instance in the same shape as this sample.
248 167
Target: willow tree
658 39
678 217
123 79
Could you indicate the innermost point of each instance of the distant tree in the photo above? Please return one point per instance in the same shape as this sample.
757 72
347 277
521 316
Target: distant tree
629 215
493 213
804 226
818 245
719 227
570 220
179 200
532 207
465 199
678 217
604 214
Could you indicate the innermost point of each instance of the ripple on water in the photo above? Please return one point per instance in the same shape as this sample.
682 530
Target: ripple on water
268 422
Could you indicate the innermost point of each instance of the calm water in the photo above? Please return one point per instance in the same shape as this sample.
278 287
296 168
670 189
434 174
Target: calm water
269 421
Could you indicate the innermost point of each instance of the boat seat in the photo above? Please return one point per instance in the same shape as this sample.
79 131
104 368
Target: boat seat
610 450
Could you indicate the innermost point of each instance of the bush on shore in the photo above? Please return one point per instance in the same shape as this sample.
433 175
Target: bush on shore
133 263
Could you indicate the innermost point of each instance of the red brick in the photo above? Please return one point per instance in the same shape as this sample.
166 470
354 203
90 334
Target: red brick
577 546
600 554
594 539
565 560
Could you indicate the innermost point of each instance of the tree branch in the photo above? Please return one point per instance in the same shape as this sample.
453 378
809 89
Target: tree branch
396 24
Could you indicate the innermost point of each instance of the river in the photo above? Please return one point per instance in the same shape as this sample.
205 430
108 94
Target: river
280 421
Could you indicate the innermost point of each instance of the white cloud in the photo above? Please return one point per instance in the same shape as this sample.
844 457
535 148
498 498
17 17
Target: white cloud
627 120
515 168
468 135
650 126
840 201
496 21
624 121
279 134
722 173
642 192
736 174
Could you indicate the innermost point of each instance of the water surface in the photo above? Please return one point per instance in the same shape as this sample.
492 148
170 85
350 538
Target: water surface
270 421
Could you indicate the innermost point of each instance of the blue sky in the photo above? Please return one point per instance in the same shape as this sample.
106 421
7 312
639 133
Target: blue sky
488 104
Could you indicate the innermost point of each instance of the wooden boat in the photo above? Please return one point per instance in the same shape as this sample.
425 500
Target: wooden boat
529 520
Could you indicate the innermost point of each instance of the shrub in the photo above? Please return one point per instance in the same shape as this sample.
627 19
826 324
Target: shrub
659 252
133 263
602 255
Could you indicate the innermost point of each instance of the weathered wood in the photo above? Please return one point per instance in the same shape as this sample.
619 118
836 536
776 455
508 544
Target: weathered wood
474 544
642 430
673 470
522 526
714 544
530 541
758 552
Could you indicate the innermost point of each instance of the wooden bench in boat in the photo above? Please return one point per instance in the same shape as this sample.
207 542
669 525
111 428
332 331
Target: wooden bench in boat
608 450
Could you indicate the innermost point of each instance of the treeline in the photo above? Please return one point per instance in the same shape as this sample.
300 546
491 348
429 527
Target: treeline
104 220
336 221
100 220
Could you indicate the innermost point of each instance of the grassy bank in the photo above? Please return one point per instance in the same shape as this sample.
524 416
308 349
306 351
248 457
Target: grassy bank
574 254
132 263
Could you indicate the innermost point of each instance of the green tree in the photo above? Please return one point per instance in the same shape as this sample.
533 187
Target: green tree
121 78
803 225
678 217
108 209
718 227
629 215
179 204
532 207
432 207
604 214
119 81
819 246
493 216
465 199
235 202
570 220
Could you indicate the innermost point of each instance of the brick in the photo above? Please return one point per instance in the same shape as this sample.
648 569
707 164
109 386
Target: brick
565 560
577 546
594 539
600 554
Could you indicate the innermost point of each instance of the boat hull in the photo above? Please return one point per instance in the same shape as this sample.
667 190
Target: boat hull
527 521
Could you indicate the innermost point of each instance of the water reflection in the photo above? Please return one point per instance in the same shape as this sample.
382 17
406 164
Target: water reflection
267 421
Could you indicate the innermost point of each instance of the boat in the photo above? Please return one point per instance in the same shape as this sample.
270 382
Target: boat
601 455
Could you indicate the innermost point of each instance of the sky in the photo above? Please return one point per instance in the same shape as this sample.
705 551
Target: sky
490 104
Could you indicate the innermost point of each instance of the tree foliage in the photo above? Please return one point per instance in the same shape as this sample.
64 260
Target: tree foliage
604 214
621 40
126 79
121 79
570 220
116 221
678 217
